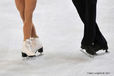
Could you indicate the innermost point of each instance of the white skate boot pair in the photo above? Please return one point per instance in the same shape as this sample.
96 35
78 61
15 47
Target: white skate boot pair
31 46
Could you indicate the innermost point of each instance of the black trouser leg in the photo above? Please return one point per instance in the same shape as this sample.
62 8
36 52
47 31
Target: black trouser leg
87 13
80 6
90 22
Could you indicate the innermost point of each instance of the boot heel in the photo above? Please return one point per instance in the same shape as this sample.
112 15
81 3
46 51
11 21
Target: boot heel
24 55
40 50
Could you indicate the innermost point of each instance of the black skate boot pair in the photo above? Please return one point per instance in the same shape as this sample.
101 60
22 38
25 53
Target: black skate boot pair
92 49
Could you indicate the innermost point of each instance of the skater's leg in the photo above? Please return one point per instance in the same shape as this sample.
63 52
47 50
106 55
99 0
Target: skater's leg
90 22
21 8
87 10
29 8
20 4
80 6
29 29
84 11
33 32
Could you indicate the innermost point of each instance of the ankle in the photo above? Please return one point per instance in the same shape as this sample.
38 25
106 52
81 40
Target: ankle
26 38
34 36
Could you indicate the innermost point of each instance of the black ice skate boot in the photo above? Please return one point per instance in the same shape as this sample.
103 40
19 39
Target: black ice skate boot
89 49
98 47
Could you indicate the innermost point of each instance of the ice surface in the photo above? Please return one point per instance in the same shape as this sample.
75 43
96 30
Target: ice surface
61 31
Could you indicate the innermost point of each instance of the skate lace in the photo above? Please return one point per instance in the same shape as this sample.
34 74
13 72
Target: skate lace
28 45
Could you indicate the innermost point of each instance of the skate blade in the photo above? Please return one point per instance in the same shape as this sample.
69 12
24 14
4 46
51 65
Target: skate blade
91 56
100 54
25 55
41 54
32 58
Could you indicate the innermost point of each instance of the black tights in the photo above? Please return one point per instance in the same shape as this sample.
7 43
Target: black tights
87 13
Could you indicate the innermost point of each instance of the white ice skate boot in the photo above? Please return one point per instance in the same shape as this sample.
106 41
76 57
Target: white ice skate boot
37 45
27 49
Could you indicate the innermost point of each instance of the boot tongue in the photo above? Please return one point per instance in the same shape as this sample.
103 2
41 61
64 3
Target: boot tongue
27 43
